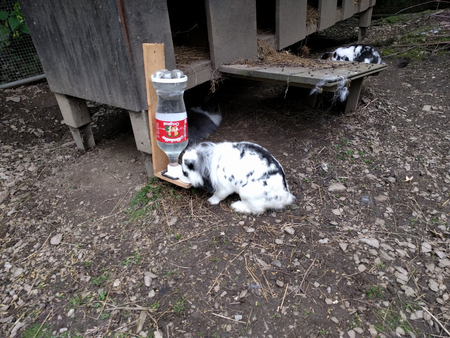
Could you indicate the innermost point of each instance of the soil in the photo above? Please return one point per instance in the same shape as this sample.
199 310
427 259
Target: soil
92 247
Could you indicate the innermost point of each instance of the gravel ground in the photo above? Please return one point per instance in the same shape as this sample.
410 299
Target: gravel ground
90 247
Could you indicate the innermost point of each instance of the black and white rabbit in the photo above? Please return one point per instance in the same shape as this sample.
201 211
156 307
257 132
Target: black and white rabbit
242 167
358 53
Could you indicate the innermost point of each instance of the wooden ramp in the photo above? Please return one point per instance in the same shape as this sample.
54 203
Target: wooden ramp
311 73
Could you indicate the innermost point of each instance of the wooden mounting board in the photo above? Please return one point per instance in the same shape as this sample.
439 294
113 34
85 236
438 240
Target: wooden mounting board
307 76
153 61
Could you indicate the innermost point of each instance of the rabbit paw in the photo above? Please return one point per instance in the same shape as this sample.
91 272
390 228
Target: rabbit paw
240 206
214 200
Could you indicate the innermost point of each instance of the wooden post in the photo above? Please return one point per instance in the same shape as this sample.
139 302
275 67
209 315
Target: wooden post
153 61
353 95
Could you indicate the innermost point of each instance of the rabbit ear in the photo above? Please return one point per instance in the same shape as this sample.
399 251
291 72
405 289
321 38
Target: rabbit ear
208 185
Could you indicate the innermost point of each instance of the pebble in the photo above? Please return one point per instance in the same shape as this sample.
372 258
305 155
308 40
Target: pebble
425 247
18 272
433 285
279 283
362 268
343 246
371 241
71 313
147 280
289 230
351 334
336 187
400 331
279 241
56 240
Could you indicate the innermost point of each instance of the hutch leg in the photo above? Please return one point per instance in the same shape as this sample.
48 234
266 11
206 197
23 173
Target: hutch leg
353 96
141 131
76 116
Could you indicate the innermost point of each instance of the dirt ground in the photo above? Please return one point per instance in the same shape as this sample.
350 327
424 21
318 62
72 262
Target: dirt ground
91 247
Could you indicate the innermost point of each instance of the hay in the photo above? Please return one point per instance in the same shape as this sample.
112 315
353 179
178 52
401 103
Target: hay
268 56
312 16
185 55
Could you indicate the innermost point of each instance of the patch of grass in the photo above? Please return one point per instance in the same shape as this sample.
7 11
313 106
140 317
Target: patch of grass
145 200
37 331
374 291
179 305
390 319
78 300
355 322
100 280
381 265
134 259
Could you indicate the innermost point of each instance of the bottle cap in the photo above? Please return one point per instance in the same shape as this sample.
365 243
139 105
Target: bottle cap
166 76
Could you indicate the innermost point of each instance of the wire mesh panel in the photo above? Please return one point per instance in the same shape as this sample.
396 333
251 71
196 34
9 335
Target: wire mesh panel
18 57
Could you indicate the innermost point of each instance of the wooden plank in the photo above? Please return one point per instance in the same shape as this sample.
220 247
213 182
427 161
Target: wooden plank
327 12
231 30
176 182
197 72
348 9
92 49
290 22
307 77
153 57
363 5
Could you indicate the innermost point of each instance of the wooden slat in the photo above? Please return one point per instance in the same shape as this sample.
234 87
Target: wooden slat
307 77
231 30
154 61
363 5
290 22
92 49
348 9
327 11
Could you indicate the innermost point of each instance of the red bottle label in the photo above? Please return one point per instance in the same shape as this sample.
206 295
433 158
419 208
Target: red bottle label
171 131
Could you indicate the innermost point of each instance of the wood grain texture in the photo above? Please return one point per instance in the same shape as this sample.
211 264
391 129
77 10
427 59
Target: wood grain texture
92 49
153 56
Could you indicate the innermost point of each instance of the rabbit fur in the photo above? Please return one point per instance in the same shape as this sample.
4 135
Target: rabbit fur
358 53
240 167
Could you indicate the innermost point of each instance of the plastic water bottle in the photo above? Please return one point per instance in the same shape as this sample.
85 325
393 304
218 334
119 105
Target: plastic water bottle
171 117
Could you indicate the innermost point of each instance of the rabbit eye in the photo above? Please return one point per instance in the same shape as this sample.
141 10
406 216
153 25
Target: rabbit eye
189 164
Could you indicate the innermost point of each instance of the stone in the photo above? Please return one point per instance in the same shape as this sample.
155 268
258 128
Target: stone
381 198
147 280
337 211
426 107
56 240
3 195
417 315
18 272
444 263
336 187
425 247
433 285
343 246
371 241
400 331
289 230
